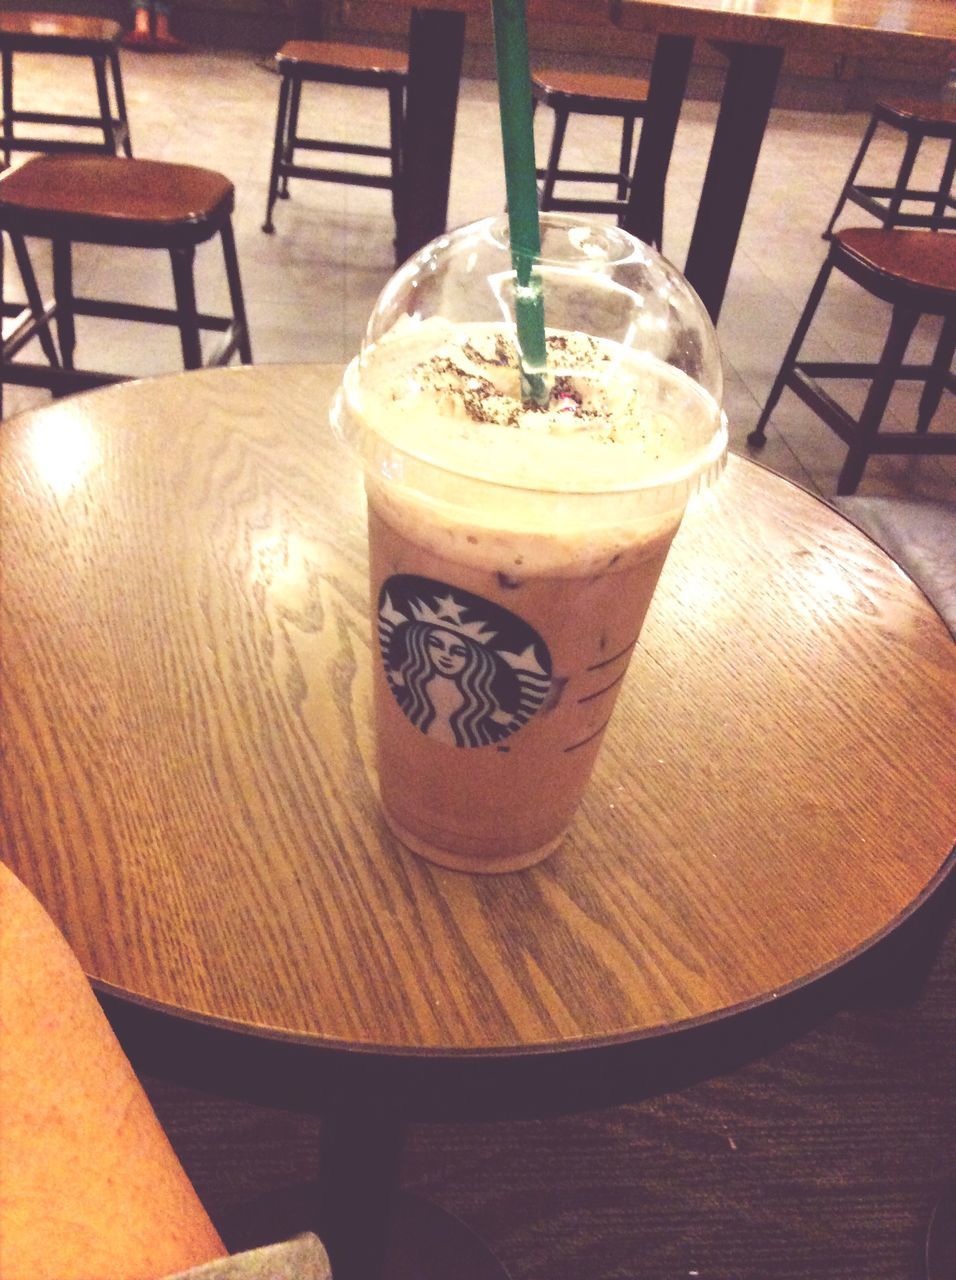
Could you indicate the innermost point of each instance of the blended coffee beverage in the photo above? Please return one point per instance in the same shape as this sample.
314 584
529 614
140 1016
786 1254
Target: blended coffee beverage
514 551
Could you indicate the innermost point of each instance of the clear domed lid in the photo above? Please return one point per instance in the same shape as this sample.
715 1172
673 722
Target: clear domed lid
629 401
596 279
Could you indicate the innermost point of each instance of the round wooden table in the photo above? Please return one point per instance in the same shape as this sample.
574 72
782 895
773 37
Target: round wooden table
188 780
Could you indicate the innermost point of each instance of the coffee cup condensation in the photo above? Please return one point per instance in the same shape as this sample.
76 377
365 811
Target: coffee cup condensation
514 549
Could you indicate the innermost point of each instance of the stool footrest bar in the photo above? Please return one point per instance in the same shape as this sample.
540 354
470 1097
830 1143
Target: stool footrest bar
58 380
343 148
567 205
148 315
850 371
337 175
584 175
49 117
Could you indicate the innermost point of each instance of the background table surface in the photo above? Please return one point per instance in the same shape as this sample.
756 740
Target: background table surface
188 765
839 26
847 26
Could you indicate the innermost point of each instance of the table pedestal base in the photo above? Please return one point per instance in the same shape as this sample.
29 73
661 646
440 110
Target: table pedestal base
374 1231
428 1243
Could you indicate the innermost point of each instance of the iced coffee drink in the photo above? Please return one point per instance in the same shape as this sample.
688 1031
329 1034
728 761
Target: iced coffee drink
514 550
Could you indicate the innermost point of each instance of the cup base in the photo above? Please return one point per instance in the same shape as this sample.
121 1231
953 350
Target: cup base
473 863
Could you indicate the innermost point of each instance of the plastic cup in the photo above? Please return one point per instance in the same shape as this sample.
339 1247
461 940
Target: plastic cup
513 558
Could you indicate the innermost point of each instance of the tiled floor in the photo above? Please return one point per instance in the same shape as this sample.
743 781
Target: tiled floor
310 286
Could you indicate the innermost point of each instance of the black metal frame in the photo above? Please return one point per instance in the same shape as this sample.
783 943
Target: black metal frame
863 436
564 106
288 140
180 240
114 127
886 203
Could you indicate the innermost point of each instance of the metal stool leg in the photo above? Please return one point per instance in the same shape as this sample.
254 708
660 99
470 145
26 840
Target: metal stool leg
945 188
120 96
277 148
237 302
627 147
913 143
7 65
106 111
291 134
183 261
897 340
2 358
940 373
396 112
554 156
758 437
35 302
851 176
63 294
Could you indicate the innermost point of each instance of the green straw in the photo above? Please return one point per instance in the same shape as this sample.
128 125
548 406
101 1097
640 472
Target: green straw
514 97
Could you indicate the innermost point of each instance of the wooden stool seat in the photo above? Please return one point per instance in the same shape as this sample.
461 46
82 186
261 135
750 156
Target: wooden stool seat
917 121
322 62
594 94
110 200
586 93
915 272
938 119
909 260
74 36
27 32
106 200
350 59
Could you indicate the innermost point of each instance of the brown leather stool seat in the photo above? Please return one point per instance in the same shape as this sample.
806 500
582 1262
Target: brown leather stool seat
109 200
95 38
917 121
915 272
320 62
567 92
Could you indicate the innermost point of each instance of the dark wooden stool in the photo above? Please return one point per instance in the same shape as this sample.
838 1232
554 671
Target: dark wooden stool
914 271
918 121
566 92
314 60
78 37
109 200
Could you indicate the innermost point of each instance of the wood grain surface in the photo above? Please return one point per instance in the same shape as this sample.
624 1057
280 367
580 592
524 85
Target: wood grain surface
27 26
876 27
188 781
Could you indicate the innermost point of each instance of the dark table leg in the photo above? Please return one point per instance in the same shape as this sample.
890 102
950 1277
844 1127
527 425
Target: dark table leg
360 1163
436 44
371 1230
644 216
744 109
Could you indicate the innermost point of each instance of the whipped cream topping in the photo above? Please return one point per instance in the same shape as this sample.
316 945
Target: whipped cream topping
480 380
449 395
477 380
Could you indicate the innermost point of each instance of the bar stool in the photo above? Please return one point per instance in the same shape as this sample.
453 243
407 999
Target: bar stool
914 271
323 63
73 36
109 200
918 121
593 95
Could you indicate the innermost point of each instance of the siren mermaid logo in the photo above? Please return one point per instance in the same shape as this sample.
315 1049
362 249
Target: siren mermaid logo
465 671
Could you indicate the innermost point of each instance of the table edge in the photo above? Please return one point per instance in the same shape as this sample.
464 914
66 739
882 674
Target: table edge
566 1048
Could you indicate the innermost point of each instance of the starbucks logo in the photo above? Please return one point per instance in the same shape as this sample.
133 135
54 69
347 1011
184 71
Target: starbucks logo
463 670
